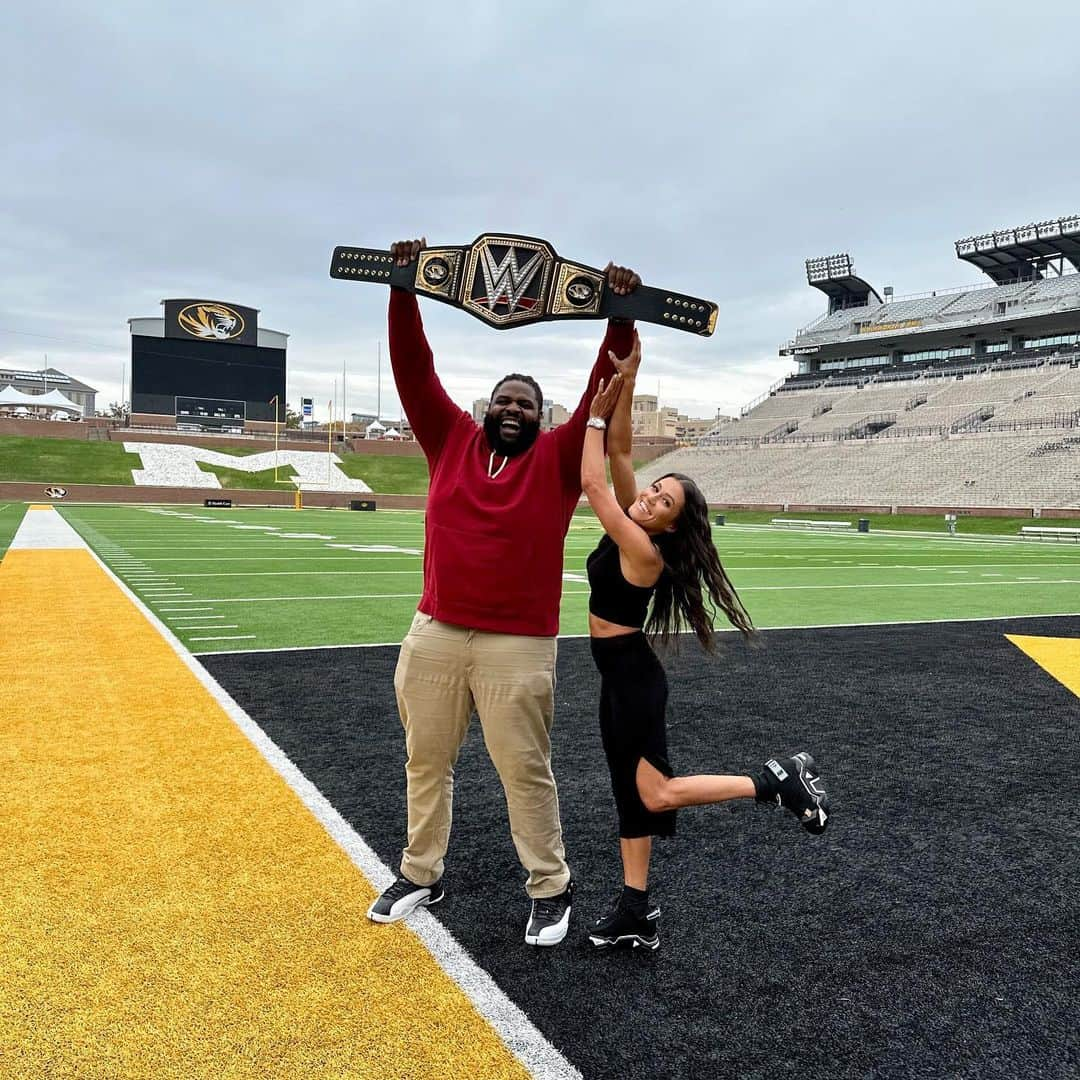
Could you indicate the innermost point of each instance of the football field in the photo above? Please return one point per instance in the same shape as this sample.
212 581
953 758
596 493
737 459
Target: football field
203 789
227 580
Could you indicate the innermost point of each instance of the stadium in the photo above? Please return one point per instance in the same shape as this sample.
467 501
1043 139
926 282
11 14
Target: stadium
978 389
900 514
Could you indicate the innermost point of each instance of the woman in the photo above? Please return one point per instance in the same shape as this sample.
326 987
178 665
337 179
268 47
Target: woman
658 546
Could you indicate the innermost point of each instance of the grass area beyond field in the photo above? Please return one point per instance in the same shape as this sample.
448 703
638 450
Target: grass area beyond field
70 461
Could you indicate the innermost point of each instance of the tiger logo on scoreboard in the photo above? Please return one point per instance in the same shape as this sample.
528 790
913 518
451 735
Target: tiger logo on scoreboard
211 321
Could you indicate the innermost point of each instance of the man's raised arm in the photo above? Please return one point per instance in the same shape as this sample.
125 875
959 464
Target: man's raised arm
429 408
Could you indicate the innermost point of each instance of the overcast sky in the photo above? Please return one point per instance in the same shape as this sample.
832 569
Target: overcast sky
221 151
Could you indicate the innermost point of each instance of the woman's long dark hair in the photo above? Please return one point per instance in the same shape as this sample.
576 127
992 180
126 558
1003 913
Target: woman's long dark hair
692 573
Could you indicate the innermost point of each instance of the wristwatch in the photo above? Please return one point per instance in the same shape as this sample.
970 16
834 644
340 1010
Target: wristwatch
597 422
506 280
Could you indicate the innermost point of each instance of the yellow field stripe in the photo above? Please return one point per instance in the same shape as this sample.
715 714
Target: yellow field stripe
170 907
1059 656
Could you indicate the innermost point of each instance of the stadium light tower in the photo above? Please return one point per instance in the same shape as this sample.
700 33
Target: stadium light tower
1026 252
835 276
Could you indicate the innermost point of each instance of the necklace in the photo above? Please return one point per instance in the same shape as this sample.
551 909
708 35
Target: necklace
491 465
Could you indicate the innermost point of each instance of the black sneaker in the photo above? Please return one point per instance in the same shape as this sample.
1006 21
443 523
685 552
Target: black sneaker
622 929
798 787
549 918
402 898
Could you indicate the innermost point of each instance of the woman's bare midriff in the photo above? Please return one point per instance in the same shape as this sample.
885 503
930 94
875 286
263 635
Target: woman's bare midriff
602 628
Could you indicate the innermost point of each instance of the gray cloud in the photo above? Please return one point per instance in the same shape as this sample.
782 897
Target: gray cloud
223 150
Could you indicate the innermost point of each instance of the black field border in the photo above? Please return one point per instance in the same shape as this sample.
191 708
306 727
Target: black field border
929 933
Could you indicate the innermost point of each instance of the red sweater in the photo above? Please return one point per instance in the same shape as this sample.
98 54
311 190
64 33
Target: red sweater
493 550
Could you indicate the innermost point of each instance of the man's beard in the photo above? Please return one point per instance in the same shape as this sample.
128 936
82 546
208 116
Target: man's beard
526 436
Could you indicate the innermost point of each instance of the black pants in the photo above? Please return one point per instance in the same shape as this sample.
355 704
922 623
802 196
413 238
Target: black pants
633 701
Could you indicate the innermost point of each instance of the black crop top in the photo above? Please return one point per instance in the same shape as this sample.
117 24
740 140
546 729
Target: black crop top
611 596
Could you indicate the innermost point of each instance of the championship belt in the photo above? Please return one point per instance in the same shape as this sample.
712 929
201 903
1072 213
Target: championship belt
507 280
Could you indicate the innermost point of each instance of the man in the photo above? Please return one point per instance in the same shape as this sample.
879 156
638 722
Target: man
499 504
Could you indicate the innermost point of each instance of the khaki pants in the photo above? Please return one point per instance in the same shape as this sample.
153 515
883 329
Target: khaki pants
445 671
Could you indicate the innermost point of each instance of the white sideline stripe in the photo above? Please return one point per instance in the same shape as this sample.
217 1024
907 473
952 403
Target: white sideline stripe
171 609
511 1024
213 626
685 633
187 618
224 637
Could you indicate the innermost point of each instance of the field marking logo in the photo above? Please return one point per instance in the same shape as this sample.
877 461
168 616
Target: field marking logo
55 492
214 321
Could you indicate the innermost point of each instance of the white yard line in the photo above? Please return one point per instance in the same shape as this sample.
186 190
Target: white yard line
225 637
581 592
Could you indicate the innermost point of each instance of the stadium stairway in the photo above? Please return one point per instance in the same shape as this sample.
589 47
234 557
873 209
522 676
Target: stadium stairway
176 902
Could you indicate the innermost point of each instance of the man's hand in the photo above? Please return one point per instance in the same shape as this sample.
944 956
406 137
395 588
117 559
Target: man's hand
603 402
621 279
406 251
628 367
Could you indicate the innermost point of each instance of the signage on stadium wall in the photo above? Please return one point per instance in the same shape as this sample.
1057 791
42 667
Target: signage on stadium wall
211 320
904 324
55 492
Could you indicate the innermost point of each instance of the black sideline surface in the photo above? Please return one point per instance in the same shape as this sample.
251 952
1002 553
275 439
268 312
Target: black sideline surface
931 932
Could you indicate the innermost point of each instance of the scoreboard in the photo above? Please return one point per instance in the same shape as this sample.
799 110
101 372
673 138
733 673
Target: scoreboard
206 364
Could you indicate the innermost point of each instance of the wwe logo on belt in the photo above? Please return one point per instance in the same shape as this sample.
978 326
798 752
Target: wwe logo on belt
508 279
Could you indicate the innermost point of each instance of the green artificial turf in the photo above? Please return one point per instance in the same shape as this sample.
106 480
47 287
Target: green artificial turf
10 516
318 577
967 524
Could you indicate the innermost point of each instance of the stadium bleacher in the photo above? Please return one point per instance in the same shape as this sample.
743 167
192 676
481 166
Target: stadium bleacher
983 415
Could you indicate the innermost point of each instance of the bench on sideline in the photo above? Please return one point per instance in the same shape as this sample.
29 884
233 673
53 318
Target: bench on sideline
1045 532
812 524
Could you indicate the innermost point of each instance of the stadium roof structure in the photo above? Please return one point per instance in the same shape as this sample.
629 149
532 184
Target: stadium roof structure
1034 293
835 276
1025 253
47 378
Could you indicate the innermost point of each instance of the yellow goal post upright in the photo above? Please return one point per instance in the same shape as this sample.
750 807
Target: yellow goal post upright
305 485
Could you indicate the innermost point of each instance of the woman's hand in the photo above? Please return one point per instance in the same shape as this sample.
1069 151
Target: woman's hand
603 402
628 366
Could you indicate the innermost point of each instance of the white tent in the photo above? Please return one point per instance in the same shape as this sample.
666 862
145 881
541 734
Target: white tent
52 400
374 430
392 433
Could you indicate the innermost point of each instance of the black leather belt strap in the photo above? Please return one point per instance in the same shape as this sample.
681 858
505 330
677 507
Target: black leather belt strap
507 280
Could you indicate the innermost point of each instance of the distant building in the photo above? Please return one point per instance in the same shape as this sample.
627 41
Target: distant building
553 414
48 379
479 409
650 420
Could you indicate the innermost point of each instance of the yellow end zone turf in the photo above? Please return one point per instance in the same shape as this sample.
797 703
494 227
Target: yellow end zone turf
170 907
1059 656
